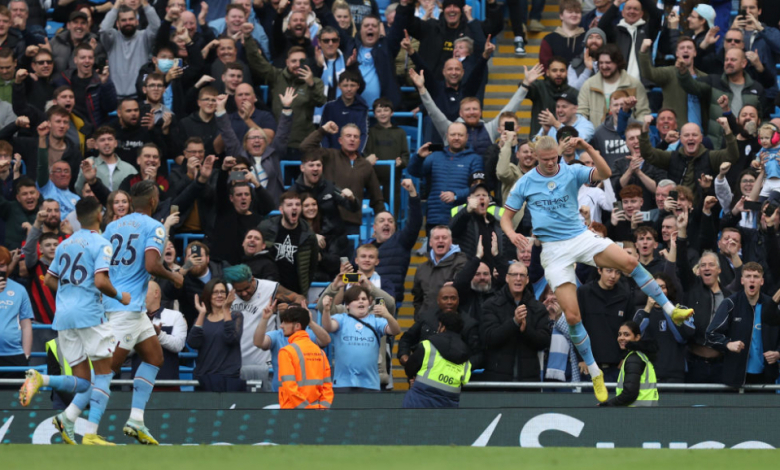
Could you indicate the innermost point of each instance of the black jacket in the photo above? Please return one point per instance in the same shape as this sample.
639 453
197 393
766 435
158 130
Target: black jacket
657 326
603 311
511 355
206 197
465 228
308 249
194 126
262 265
426 327
471 301
633 369
734 322
383 54
619 35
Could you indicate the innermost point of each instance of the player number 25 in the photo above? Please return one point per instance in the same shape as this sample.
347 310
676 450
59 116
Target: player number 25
127 259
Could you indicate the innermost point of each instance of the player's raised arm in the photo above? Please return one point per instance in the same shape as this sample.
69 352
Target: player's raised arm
155 267
602 167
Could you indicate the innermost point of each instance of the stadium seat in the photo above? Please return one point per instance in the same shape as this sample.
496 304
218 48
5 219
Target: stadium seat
186 238
52 27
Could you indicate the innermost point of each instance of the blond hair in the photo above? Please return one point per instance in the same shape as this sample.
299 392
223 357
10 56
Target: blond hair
542 143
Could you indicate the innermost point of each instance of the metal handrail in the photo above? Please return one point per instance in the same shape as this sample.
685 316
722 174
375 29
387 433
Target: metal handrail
613 385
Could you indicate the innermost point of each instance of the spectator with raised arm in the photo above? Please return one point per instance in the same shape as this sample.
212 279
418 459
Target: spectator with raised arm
75 32
544 93
348 168
480 134
127 47
95 93
263 151
641 20
111 170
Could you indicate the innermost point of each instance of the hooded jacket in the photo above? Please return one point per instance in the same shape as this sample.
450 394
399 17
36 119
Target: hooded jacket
446 171
194 126
511 355
559 44
734 322
431 276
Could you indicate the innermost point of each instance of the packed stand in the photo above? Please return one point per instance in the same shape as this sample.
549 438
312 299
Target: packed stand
278 137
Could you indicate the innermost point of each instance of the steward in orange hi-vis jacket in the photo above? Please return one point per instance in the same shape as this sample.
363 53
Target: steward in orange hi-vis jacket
304 371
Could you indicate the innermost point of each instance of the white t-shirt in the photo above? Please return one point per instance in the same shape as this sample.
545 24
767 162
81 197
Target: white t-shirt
252 311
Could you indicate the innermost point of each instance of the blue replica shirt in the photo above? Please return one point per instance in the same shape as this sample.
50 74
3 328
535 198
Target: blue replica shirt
14 307
368 69
755 363
130 237
278 341
356 351
552 201
76 262
772 163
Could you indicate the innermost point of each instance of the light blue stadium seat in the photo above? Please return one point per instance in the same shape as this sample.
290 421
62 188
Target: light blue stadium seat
52 27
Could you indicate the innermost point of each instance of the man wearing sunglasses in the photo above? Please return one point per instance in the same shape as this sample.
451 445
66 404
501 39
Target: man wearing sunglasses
36 83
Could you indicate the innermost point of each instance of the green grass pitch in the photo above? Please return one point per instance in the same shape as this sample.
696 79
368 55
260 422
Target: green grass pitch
61 457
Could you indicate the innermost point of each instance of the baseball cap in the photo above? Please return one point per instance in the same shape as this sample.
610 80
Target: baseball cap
78 14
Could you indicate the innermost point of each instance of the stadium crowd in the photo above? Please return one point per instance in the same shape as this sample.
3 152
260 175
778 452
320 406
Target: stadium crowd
132 91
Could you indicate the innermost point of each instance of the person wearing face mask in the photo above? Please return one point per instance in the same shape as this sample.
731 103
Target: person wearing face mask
176 79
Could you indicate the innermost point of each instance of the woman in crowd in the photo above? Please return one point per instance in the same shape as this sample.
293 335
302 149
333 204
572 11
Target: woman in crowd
636 382
217 337
118 206
332 240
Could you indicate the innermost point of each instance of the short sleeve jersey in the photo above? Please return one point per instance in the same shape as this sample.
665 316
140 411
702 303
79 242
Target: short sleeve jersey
75 264
130 237
552 201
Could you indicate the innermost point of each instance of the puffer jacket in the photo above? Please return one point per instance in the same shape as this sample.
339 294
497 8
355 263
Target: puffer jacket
446 171
712 87
62 49
394 252
512 355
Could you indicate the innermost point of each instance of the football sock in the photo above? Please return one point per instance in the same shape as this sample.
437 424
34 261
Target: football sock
66 383
581 341
143 384
101 391
651 288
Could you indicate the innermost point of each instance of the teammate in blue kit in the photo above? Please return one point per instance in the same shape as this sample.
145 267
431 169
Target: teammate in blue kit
550 193
79 274
138 242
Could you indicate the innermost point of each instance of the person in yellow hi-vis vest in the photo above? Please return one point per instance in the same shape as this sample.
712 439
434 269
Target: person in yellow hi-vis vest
636 384
438 367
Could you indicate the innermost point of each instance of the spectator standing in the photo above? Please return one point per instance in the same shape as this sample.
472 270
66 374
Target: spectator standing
217 337
567 39
348 168
514 327
595 94
544 93
444 262
387 142
641 20
295 245
355 350
585 65
16 317
565 115
64 43
111 170
257 257
127 47
19 213
395 245
349 108
448 181
95 93
738 330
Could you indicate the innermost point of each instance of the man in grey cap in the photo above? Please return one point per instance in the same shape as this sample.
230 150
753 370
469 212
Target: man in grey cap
64 43
585 65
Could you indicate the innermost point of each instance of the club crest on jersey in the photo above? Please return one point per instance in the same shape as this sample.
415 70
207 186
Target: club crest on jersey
160 232
10 293
107 250
551 186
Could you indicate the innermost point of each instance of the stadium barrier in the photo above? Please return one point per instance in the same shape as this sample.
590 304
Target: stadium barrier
683 421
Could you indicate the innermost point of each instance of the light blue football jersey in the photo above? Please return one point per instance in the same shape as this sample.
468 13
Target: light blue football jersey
552 201
130 237
75 264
